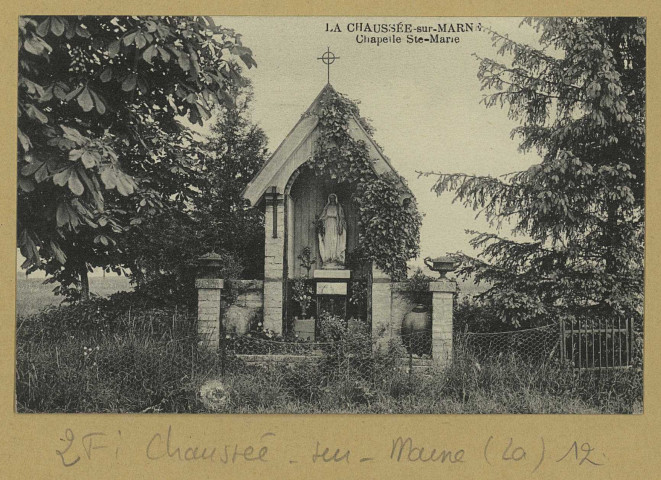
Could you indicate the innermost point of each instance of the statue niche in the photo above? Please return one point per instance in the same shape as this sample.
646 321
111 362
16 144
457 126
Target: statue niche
332 234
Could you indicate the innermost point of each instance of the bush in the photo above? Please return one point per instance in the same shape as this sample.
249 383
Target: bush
177 283
472 315
332 328
416 288
122 312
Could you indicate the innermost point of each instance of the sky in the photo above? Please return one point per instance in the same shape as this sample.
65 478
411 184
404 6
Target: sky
423 100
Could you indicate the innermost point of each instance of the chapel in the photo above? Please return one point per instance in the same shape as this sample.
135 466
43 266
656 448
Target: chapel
311 224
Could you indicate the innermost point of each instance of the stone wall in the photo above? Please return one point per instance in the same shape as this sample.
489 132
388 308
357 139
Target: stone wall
243 303
389 306
247 304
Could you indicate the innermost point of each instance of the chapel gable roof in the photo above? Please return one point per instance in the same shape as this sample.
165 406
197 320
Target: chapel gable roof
298 147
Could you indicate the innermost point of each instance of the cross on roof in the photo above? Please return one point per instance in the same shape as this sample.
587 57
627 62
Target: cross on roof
328 58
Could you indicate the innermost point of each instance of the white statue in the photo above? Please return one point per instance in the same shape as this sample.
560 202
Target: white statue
332 234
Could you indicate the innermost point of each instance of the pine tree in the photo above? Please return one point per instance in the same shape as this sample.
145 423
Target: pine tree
580 101
161 252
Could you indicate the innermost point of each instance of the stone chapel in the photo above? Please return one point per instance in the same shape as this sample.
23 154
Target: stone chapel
292 198
295 201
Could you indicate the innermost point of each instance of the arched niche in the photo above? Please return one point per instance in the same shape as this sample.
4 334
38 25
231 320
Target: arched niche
306 196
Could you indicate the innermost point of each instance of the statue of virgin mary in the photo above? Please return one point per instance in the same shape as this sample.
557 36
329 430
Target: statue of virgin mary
333 234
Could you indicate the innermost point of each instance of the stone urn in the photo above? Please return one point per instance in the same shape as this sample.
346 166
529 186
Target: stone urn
416 330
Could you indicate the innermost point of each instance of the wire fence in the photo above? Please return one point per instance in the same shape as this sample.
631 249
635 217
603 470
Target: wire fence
417 344
361 354
539 344
533 344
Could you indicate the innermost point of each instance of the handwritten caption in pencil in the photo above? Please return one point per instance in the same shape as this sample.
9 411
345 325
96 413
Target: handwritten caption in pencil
75 448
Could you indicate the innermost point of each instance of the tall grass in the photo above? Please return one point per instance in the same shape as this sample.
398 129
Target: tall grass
122 355
499 385
115 355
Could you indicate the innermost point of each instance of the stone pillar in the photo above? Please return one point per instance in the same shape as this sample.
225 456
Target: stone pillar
274 252
381 306
442 292
208 310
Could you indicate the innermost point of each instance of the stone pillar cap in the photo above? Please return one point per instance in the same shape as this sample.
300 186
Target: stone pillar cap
212 283
443 286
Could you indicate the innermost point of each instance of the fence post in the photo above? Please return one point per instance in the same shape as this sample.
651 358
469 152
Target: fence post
563 351
208 310
443 291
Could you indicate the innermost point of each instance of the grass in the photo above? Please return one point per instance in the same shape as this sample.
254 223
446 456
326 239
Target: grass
503 385
129 355
108 355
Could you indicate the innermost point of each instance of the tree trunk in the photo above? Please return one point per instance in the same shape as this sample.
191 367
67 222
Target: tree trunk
84 284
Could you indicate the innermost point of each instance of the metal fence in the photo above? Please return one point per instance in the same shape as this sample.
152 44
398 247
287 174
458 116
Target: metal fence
540 343
597 344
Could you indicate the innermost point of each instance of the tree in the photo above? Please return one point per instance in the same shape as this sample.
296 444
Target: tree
163 249
580 99
100 145
237 150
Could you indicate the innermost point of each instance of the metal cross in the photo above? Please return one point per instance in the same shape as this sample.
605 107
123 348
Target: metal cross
328 58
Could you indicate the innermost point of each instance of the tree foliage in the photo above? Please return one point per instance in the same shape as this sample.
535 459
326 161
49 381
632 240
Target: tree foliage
162 250
580 101
100 145
388 218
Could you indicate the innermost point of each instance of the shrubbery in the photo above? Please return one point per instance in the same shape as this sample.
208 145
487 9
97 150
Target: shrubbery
416 288
472 315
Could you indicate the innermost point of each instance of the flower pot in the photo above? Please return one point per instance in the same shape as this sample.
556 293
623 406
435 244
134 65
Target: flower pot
305 328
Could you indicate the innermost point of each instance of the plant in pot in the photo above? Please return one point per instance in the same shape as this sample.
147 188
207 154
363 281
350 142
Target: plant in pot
302 295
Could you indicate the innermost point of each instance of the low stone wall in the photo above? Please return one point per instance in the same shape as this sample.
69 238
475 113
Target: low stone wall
247 305
399 306
243 303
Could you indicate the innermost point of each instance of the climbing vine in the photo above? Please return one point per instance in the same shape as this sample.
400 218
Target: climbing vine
388 218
